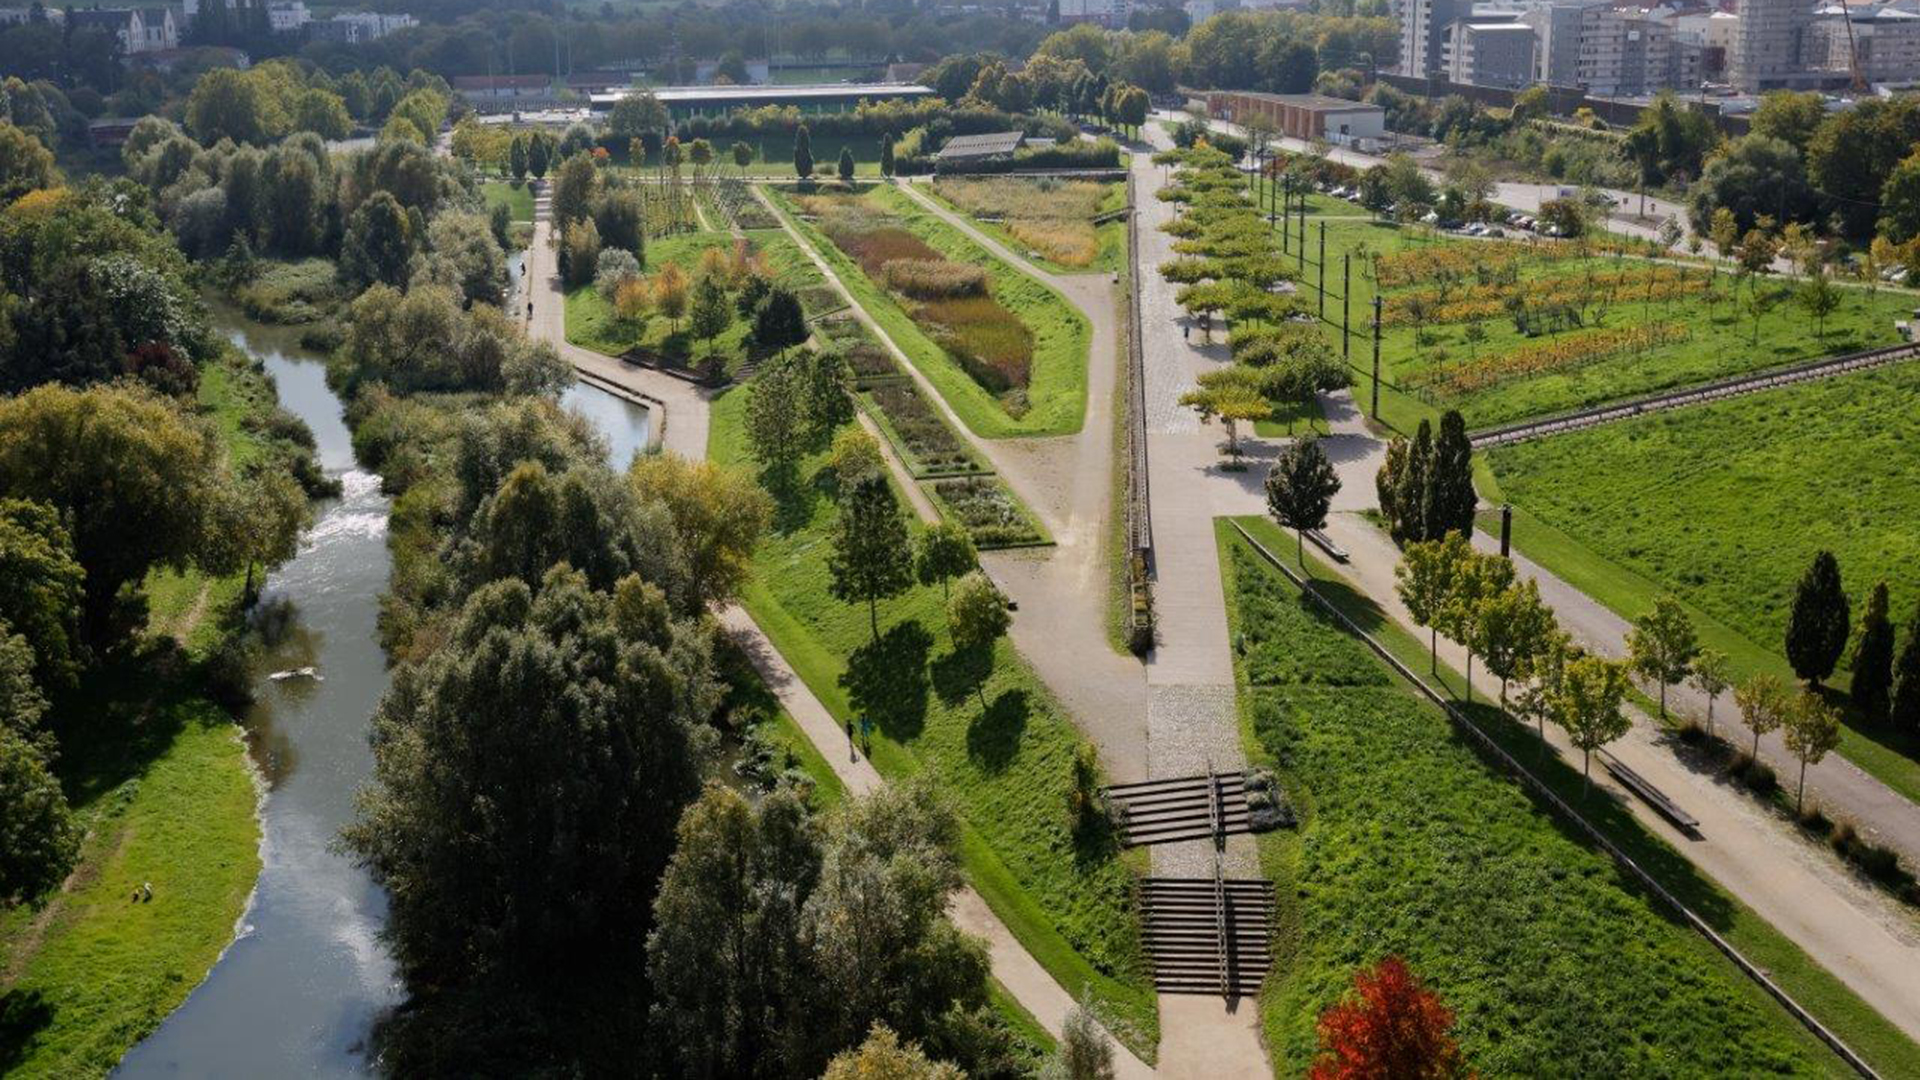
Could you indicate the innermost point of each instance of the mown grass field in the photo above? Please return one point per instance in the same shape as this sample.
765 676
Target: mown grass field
1057 391
1712 339
1006 766
1724 505
517 198
1411 844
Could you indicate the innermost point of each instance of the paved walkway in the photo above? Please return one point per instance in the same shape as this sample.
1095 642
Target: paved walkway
683 412
1863 937
1062 591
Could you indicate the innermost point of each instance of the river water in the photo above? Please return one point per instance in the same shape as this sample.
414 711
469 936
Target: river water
297 991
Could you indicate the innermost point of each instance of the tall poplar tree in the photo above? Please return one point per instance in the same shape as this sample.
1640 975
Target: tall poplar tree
1449 499
1818 624
872 556
1873 657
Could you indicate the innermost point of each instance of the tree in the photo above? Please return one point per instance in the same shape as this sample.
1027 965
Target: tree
40 589
1234 401
1873 657
886 155
670 293
1479 577
635 116
872 555
977 616
1817 625
776 421
1411 486
517 159
1300 490
1904 710
574 187
802 153
580 258
1424 582
742 156
379 243
133 480
1085 1052
227 103
257 522
1819 298
1448 502
1763 703
555 725
730 968
1662 644
25 165
1592 689
855 454
779 323
1812 729
719 515
712 310
846 165
1712 675
1544 674
883 1057
539 154
1510 627
1389 1027
39 840
943 551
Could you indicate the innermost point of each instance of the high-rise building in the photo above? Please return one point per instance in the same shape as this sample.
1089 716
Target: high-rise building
1489 53
1556 30
1625 52
1884 42
1767 45
1423 34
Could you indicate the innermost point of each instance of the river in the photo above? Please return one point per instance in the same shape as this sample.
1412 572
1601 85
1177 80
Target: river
297 991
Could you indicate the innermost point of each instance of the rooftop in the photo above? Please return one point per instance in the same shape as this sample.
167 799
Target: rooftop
670 94
1315 102
999 142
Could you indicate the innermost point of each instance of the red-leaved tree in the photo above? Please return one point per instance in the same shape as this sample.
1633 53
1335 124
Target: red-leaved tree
1390 1028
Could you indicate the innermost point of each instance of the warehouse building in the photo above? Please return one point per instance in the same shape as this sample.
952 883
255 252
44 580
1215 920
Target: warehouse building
684 102
1303 116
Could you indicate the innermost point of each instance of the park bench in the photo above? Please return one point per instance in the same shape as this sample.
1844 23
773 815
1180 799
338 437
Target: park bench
1653 796
1325 543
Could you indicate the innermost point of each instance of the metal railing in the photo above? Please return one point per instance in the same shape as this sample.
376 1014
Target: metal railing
1546 793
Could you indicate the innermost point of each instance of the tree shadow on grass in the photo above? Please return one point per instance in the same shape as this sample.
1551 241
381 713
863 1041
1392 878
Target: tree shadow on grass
23 1014
793 498
886 680
993 739
961 673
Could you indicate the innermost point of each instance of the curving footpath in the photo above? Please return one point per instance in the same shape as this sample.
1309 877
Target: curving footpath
680 424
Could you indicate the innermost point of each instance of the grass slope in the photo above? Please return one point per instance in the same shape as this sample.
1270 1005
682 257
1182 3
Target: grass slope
1057 393
1006 767
1724 505
1699 1001
517 198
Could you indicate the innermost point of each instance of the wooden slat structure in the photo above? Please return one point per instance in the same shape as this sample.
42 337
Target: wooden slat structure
1181 808
1207 935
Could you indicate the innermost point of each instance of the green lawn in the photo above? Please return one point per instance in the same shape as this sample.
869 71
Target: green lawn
1724 505
1007 767
1413 844
518 198
1717 341
1057 391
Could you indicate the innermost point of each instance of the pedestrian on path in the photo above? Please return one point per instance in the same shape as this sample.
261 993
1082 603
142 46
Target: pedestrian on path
1186 331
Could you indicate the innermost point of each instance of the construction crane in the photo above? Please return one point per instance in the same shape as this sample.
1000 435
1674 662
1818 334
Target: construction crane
1859 83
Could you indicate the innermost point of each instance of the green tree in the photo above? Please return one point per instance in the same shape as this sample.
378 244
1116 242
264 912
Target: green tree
1449 500
1592 691
1300 490
1424 582
323 113
977 616
378 245
776 421
1712 676
257 522
872 553
886 155
574 187
802 153
539 154
1855 151
517 158
1084 1052
637 115
1817 624
712 311
846 165
1904 709
24 164
1480 577
1544 675
742 156
1662 644
1510 627
779 323
1411 486
227 103
527 779
39 840
1226 393
133 480
1819 298
719 515
854 454
884 1057
1812 729
1792 117
943 551
1873 657
1763 702
40 589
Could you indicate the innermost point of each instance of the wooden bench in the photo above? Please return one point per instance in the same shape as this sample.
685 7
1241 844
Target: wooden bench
1325 543
1654 797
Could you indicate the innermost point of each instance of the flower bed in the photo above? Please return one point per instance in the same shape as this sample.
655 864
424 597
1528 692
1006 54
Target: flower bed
1432 306
818 300
850 338
991 514
1555 355
925 442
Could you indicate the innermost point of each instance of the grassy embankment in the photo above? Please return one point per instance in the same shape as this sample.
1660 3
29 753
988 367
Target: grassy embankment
1057 388
1709 340
1007 766
517 198
158 775
1724 505
1414 844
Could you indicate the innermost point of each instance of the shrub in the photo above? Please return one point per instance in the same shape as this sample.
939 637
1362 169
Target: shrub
934 279
992 345
931 446
987 509
1756 774
614 266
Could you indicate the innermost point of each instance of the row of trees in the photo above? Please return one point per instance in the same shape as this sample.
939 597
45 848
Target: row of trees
1425 487
1886 681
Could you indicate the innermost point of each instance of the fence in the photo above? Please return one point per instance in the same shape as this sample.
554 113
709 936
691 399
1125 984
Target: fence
1546 793
1139 523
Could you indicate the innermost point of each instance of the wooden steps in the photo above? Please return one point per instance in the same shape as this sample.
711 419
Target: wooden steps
1182 808
1207 936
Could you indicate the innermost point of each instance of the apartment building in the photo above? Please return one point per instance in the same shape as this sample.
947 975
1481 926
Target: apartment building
1885 41
1628 52
1767 46
1423 33
1490 53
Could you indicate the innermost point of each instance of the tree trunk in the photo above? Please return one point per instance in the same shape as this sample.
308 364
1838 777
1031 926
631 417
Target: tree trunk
1663 699
1433 651
1469 676
1800 799
1586 770
1300 547
873 618
1710 698
1756 744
